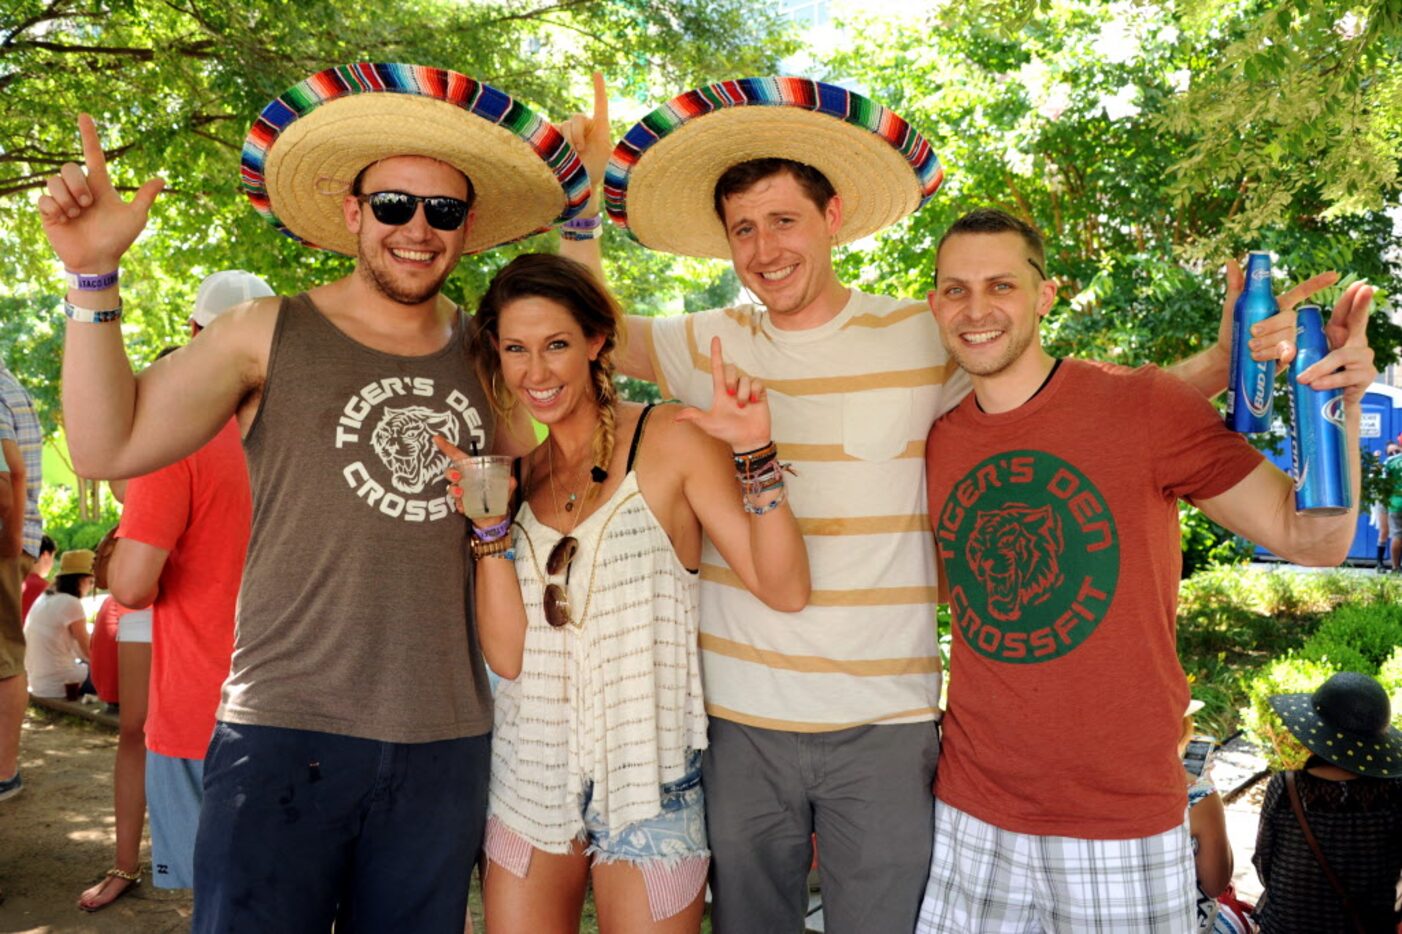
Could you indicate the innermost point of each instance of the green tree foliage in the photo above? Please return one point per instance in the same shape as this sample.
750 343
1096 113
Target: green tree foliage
1087 118
174 86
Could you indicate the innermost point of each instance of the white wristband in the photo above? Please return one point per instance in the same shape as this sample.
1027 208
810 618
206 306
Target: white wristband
92 315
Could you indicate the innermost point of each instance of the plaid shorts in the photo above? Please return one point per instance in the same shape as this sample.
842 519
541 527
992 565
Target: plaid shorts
984 878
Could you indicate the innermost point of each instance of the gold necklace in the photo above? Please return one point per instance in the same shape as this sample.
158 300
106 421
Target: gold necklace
573 496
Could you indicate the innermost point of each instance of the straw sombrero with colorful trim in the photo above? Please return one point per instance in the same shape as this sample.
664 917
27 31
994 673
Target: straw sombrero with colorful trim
660 181
307 146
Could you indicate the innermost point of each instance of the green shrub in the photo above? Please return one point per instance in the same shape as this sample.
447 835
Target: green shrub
1206 544
1337 656
1390 677
1291 675
1373 629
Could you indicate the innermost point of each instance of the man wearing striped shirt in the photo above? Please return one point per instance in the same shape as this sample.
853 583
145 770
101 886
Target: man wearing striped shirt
21 441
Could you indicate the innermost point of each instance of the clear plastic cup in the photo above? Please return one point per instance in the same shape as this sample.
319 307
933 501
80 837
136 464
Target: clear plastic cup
485 483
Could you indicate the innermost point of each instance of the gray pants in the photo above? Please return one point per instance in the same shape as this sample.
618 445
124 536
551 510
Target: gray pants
865 791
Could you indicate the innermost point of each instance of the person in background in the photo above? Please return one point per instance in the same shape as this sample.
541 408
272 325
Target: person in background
129 767
180 550
38 579
1207 825
102 646
1387 513
1343 810
56 631
21 444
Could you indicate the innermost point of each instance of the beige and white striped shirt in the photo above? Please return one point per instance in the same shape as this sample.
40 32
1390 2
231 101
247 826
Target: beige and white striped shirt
852 402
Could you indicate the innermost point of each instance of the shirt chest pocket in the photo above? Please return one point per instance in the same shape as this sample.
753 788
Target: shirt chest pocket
876 423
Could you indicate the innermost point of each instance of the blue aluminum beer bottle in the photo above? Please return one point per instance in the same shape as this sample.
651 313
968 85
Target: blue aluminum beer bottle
1319 439
1250 386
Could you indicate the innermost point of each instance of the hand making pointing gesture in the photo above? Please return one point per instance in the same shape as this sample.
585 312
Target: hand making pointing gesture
88 223
591 136
739 413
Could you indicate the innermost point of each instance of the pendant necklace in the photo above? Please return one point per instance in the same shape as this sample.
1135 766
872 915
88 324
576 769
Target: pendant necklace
554 493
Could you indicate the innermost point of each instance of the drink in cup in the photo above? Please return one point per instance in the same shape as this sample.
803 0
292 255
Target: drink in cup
485 482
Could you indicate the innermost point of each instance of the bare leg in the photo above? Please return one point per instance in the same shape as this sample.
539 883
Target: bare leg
548 901
14 698
621 900
129 775
1396 557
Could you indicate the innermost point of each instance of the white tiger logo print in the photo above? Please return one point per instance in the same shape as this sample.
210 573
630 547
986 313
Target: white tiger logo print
404 441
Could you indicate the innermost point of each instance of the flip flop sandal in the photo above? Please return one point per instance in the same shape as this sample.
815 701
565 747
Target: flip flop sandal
134 878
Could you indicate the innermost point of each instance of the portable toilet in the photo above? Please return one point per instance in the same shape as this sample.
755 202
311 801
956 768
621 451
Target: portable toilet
1381 423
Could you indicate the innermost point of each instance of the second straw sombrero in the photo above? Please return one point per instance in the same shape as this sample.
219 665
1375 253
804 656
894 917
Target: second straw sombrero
660 181
307 146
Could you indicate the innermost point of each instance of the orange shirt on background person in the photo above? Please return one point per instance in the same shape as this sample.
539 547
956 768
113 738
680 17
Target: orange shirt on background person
199 510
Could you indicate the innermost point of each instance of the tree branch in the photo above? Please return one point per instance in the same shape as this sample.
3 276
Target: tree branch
539 11
214 139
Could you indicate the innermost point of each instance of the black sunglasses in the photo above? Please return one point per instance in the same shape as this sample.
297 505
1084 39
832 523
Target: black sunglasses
557 597
397 208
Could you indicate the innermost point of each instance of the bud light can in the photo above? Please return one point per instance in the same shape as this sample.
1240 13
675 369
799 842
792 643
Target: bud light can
1250 386
1319 440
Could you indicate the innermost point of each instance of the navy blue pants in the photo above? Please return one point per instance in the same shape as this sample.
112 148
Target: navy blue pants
299 829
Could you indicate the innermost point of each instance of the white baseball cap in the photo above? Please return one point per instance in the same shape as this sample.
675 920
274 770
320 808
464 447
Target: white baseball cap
223 290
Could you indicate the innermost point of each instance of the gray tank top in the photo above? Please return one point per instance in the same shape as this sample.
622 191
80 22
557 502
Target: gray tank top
354 614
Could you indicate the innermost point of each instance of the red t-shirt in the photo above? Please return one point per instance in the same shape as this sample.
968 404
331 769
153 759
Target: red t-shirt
102 650
34 585
1056 526
199 509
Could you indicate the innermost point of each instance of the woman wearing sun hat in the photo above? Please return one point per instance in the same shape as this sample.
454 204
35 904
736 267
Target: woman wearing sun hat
1348 798
56 629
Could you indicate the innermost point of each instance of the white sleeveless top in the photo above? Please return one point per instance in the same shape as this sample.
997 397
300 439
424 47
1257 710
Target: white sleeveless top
615 697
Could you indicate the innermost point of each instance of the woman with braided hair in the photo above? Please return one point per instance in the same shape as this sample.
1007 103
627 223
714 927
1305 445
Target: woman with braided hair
587 605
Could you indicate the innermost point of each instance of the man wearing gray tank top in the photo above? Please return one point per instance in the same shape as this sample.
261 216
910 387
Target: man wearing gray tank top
346 778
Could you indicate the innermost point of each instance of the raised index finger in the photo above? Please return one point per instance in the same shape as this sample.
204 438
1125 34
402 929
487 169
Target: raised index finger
717 366
601 100
93 157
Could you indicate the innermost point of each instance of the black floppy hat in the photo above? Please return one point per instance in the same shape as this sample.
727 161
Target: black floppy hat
1346 722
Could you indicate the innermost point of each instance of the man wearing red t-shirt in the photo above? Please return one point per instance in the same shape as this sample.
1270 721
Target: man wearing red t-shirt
38 579
181 548
1053 493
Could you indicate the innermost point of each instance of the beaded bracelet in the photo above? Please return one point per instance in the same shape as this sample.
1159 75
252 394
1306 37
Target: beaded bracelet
92 315
775 503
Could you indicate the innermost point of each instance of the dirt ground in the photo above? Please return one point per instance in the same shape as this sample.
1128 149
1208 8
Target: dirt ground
57 838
